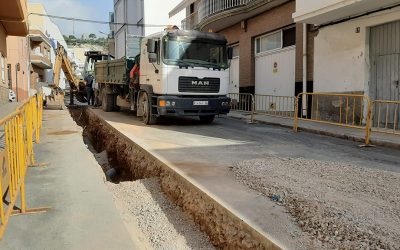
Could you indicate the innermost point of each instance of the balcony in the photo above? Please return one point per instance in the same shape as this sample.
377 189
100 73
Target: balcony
13 16
320 12
40 49
190 22
219 14
41 61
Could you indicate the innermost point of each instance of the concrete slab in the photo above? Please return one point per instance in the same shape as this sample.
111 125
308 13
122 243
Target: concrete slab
5 110
83 214
358 135
205 153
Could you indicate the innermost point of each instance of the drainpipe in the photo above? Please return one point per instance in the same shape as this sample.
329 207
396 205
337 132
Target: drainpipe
28 48
17 69
304 100
29 63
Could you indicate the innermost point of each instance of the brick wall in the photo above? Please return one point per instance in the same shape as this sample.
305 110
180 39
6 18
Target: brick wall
264 23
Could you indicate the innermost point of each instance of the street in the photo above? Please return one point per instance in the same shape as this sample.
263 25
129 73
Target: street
207 154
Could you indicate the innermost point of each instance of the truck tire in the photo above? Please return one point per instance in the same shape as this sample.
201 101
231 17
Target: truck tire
148 117
107 102
207 119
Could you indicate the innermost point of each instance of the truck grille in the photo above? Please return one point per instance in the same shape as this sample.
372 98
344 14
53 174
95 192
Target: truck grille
196 85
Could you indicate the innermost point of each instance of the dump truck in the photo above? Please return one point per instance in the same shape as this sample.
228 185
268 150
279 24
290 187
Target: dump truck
182 73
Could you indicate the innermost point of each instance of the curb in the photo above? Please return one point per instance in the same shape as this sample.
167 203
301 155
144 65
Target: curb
326 133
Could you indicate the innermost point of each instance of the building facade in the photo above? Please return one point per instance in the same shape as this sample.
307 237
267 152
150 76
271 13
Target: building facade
267 44
357 49
44 37
40 57
138 18
18 66
13 23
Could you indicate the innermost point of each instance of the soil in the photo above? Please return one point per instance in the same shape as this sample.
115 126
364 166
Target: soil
338 205
164 224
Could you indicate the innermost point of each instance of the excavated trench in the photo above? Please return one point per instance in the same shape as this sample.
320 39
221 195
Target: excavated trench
131 162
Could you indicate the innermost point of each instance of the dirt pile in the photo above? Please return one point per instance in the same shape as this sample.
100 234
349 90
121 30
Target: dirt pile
163 223
341 206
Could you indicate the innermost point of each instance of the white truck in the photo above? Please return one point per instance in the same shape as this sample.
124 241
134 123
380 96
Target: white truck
182 73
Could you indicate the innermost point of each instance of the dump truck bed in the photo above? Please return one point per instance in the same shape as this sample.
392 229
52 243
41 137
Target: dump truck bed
113 71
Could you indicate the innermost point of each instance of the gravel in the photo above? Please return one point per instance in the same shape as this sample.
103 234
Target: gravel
164 224
337 205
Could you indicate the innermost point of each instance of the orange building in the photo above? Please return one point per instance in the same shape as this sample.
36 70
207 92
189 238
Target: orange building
13 22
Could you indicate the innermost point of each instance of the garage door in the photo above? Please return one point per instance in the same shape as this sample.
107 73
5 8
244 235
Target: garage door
234 71
385 72
275 62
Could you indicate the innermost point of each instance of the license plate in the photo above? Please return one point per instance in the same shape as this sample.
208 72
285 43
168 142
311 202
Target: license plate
200 103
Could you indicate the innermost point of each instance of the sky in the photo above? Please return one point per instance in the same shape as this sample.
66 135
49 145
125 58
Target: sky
84 9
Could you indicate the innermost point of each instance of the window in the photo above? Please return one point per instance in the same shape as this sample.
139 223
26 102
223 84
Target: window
2 69
269 42
235 51
289 37
277 40
192 8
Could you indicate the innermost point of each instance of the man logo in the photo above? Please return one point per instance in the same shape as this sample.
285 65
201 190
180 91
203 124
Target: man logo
201 83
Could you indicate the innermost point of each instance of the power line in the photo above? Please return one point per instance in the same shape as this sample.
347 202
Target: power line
98 22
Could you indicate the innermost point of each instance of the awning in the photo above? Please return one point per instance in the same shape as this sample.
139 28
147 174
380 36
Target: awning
182 5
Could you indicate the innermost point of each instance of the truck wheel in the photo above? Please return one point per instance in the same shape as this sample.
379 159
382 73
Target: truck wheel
148 117
207 119
107 102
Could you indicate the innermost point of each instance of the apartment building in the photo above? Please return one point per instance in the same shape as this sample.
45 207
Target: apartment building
267 44
43 38
138 18
13 22
357 49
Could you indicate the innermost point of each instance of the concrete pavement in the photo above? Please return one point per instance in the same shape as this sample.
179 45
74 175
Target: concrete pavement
83 214
205 153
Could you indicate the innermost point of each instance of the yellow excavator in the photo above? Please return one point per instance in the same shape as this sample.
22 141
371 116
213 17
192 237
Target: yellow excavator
77 86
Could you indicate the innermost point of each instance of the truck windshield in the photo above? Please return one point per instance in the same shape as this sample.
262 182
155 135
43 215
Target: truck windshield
202 53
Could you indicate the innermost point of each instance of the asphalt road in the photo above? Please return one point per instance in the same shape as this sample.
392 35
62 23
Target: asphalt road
237 140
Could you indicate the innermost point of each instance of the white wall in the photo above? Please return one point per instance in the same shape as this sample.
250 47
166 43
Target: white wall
307 6
341 56
156 12
325 11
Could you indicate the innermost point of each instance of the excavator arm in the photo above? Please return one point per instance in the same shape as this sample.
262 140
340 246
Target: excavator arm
77 87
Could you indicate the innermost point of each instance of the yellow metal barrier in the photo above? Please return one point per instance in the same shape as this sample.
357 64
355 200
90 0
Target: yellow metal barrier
386 116
272 105
243 102
346 110
20 128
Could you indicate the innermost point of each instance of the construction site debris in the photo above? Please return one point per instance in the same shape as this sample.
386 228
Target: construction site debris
338 205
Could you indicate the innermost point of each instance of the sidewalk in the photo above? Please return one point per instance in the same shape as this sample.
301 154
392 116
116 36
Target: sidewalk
83 214
5 110
358 135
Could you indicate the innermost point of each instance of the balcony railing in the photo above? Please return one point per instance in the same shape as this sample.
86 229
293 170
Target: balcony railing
211 7
190 21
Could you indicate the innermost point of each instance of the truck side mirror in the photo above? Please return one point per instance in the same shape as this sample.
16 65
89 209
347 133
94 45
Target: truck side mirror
152 57
230 53
151 46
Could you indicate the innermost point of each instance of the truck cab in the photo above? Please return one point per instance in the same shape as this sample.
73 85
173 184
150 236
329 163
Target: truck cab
184 73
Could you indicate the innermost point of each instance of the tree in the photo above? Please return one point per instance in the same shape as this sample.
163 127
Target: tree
72 37
92 36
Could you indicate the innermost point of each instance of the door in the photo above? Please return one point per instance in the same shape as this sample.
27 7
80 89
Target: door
275 75
385 73
234 71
